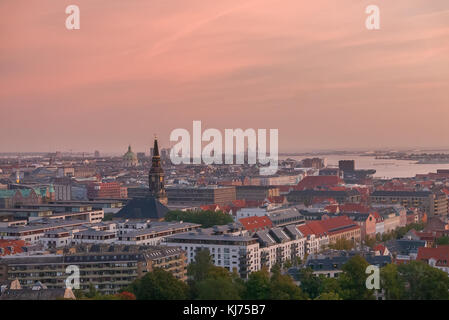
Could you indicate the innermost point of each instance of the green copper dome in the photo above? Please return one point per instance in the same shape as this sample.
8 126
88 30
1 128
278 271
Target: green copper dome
130 156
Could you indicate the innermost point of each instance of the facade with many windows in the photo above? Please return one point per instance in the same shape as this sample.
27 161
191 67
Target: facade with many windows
240 253
109 268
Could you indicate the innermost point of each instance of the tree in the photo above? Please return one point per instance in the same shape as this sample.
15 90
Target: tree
201 267
207 218
328 296
207 281
352 280
282 287
287 264
330 285
423 282
159 285
342 244
258 285
94 294
125 295
391 282
442 241
221 288
310 284
370 241
297 261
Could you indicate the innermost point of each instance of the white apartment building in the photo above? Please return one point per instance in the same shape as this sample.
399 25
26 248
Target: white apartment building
94 236
154 233
232 252
57 238
251 212
278 245
32 233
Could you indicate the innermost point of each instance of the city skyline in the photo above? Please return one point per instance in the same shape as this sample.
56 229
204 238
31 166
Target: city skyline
311 70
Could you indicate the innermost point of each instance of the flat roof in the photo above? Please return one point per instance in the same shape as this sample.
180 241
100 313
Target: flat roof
199 236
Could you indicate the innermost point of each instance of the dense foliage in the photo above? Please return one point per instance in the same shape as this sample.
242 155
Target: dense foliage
414 281
207 219
398 233
209 282
411 281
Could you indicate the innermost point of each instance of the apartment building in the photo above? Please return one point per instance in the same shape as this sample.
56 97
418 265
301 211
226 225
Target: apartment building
201 195
277 245
152 233
343 196
433 203
330 264
328 231
315 240
256 193
34 232
233 252
109 268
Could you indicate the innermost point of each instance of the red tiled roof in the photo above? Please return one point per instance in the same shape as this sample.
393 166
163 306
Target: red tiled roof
377 216
317 200
333 208
338 188
313 227
239 203
15 244
210 207
286 188
312 182
380 248
440 254
354 207
329 226
256 223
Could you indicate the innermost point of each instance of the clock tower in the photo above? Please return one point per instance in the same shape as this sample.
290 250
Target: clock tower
156 176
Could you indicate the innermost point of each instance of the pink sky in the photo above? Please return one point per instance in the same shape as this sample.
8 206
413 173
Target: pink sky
139 67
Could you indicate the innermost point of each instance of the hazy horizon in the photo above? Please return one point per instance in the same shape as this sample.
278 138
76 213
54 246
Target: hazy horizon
138 68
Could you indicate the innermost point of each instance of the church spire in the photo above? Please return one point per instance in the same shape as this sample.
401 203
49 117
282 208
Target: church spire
156 176
156 148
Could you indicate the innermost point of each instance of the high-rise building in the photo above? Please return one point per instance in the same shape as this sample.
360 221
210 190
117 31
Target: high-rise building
346 165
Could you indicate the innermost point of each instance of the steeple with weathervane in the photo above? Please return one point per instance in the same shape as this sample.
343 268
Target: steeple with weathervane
156 176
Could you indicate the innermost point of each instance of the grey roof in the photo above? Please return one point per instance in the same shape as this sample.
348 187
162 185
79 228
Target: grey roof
30 294
43 226
161 227
404 246
416 194
324 193
265 238
293 232
279 234
357 216
335 262
199 236
93 232
143 208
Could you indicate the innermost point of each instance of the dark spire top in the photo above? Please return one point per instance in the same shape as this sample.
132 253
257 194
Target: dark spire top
156 148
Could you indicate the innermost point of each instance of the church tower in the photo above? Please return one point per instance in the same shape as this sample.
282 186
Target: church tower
156 176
